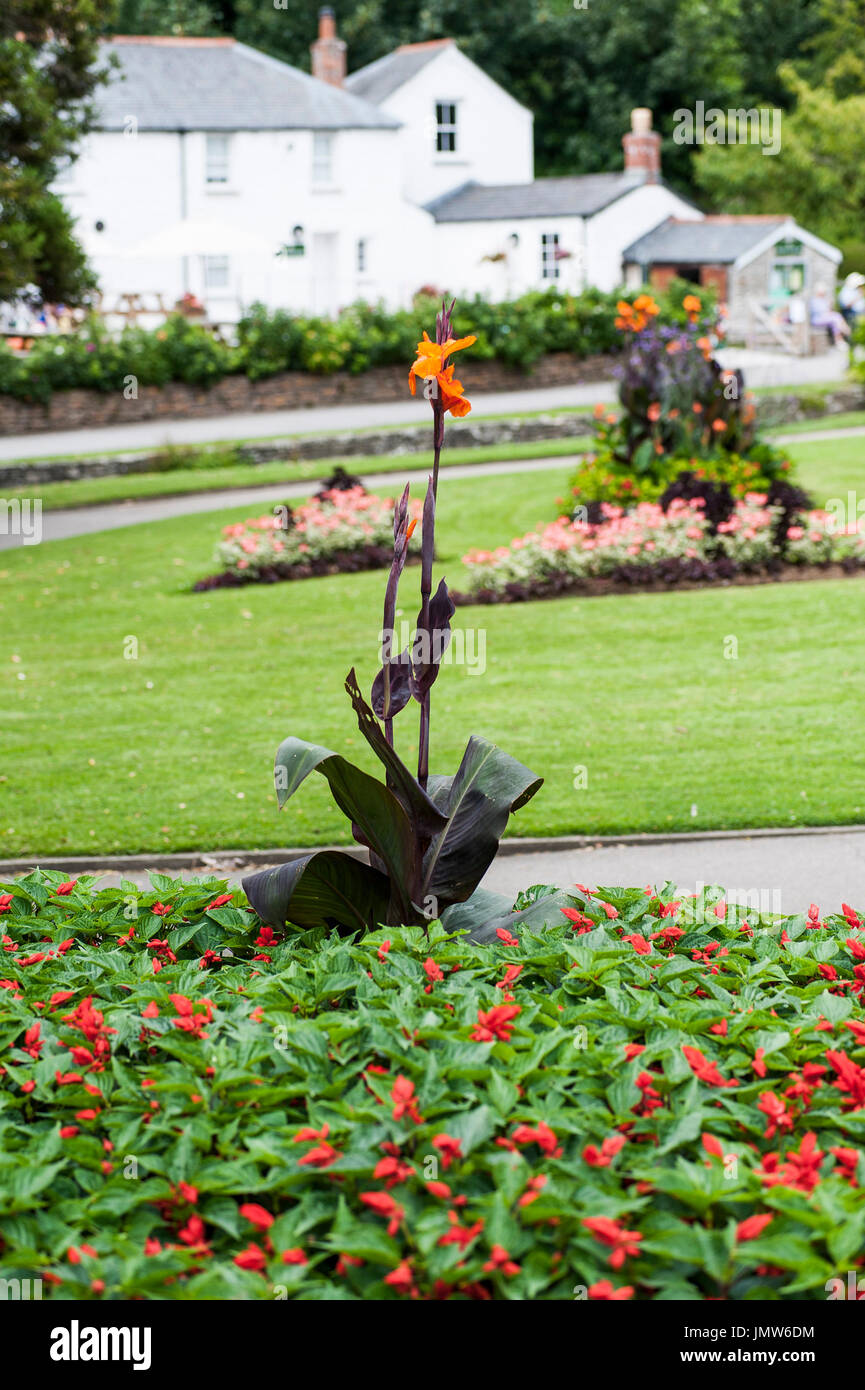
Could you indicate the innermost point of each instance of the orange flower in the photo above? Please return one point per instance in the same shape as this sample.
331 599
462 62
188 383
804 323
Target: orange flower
430 363
719 426
645 304
452 396
697 408
691 304
654 412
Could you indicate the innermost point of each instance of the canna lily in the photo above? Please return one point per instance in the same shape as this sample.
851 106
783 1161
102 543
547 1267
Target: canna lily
431 364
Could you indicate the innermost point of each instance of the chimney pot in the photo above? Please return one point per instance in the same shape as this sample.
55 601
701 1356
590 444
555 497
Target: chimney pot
328 51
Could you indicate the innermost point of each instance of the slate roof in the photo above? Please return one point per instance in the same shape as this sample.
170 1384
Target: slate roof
218 84
578 196
377 80
717 241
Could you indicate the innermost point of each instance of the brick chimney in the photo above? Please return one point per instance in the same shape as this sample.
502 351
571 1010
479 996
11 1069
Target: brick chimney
328 52
642 147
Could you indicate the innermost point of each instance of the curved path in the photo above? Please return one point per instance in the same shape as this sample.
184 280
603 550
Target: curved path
762 368
773 870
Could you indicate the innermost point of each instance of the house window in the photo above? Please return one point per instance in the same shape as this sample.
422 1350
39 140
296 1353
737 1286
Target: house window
446 127
549 261
216 272
322 157
216 159
362 258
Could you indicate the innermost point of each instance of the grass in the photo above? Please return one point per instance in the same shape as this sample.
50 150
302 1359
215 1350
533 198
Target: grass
847 419
87 492
830 468
172 749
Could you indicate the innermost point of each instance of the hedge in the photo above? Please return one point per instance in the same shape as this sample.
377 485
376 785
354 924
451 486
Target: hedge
649 1099
518 332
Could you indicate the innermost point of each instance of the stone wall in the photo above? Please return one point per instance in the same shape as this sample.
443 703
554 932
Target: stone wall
285 391
470 433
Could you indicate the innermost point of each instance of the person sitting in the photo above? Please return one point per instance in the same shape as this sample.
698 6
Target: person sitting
851 299
824 316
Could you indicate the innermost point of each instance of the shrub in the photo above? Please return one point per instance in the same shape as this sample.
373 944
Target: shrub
363 336
603 478
679 410
642 1098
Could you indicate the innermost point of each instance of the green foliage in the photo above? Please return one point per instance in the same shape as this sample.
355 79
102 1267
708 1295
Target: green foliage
48 73
325 1118
580 71
602 477
517 332
178 351
185 17
818 174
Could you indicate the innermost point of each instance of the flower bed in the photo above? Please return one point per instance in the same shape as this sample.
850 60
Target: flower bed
646 1099
648 546
342 529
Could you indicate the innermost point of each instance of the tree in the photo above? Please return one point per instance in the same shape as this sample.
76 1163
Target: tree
48 74
818 172
580 70
192 18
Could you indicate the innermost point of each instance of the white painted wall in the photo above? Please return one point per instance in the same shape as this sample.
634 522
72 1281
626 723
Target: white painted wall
630 217
495 133
133 183
462 246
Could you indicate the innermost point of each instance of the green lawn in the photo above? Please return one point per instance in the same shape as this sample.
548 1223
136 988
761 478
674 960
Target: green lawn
174 750
830 468
847 419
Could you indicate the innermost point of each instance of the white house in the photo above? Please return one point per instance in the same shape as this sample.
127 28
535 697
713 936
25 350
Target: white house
216 170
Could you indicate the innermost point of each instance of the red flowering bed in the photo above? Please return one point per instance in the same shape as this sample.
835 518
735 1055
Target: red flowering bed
647 1099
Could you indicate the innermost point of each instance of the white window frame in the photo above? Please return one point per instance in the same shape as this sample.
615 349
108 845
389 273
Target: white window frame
446 127
550 269
322 158
217 160
361 254
217 272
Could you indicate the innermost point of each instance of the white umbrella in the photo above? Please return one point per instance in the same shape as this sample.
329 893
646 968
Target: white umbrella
201 236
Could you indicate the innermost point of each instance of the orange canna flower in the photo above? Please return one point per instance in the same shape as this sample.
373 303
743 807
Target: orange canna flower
431 359
452 396
645 304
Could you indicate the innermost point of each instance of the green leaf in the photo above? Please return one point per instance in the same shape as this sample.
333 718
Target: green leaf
478 801
322 889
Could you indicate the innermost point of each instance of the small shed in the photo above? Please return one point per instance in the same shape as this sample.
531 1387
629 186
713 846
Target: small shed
765 268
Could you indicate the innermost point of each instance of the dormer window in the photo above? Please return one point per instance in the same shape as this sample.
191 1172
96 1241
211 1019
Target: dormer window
446 127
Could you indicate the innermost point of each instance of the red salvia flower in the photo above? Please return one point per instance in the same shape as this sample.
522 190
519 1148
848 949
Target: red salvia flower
622 1243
